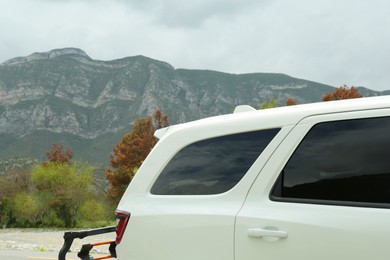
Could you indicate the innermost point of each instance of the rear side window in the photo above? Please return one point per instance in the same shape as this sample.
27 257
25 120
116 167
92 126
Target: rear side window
213 165
341 162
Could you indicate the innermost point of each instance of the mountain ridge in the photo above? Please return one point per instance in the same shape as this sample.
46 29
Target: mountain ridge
64 92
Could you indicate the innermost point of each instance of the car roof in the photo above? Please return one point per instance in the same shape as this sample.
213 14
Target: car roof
246 118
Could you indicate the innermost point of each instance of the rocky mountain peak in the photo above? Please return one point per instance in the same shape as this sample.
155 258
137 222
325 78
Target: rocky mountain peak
75 52
65 51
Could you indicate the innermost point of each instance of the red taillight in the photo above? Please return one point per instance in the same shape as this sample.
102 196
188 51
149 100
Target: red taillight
121 222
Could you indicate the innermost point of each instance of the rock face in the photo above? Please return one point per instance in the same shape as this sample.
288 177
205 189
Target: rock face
64 92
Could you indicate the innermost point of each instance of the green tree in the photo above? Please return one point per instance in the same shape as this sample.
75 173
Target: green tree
13 182
63 187
91 210
131 151
26 209
269 103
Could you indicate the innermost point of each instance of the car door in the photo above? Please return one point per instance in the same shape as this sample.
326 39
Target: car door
324 194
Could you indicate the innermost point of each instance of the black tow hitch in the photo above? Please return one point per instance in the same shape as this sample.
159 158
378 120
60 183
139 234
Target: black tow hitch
84 252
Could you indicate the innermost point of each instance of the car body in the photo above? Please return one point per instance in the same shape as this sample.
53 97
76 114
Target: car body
300 182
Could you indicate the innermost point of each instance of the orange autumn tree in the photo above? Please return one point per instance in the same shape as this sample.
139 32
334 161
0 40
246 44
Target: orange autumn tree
58 154
291 102
131 151
343 92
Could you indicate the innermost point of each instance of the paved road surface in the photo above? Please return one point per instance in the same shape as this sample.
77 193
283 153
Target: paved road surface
38 244
32 255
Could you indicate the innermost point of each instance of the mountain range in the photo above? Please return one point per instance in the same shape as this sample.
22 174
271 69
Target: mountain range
66 97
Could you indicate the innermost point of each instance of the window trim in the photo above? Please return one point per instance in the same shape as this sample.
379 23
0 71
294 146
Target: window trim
277 198
330 202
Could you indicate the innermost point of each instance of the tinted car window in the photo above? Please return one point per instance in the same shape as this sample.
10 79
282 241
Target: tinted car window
212 166
345 161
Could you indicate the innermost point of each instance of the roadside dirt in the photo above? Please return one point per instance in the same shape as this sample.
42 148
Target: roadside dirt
46 240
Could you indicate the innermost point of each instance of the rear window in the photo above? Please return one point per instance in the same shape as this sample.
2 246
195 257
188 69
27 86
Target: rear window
213 165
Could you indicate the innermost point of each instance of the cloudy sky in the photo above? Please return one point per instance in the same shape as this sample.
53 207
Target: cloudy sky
335 42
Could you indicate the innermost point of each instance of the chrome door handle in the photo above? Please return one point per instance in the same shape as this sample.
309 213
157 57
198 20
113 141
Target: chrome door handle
266 233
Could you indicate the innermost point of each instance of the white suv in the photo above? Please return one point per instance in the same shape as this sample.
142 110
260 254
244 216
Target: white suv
300 182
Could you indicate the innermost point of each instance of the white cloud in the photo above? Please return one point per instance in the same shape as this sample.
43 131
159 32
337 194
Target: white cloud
333 42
